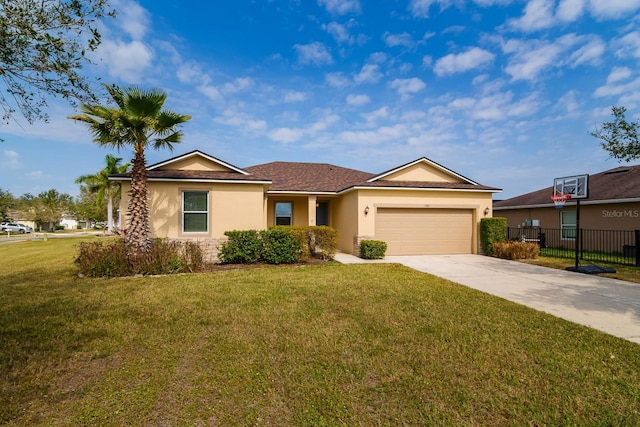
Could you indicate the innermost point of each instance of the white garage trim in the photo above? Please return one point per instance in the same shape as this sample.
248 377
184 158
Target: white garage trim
425 231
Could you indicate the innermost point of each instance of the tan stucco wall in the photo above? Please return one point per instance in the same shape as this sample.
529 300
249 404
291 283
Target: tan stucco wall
477 202
231 207
613 216
345 215
195 163
421 172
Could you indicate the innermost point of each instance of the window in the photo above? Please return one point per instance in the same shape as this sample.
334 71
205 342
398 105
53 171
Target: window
195 211
284 213
568 224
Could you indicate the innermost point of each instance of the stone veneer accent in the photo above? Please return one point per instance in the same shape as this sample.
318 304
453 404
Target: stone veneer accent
356 243
209 246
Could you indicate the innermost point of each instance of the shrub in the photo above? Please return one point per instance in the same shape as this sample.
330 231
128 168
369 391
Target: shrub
516 250
109 259
301 234
103 259
492 230
373 249
243 247
280 246
324 241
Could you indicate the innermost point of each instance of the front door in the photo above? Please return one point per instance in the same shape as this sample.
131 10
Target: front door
322 213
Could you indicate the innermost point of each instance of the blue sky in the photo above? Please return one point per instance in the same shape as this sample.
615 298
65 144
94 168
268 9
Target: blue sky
503 92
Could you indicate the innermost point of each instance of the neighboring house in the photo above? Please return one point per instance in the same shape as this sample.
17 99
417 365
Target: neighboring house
417 208
612 203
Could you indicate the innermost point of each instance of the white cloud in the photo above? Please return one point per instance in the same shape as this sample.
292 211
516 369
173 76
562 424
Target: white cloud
376 115
538 14
613 8
191 73
341 7
11 160
406 87
628 46
286 135
338 32
590 53
402 39
241 121
211 92
377 58
530 58
618 84
337 80
618 73
132 18
370 73
324 123
125 61
420 8
293 96
495 107
237 85
469 60
313 53
570 10
358 100
542 14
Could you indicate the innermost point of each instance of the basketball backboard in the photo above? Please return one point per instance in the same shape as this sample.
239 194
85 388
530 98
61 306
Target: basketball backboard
576 186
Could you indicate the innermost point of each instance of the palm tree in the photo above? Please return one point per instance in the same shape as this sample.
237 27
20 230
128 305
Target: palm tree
138 120
100 185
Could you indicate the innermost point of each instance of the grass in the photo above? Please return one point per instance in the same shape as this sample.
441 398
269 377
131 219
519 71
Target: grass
318 345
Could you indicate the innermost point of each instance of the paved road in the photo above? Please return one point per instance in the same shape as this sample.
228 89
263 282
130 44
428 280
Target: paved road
609 305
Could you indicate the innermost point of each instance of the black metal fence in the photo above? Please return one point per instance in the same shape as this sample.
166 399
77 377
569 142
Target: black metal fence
613 246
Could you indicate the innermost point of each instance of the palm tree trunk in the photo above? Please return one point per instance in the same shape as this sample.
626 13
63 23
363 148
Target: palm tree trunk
137 236
110 214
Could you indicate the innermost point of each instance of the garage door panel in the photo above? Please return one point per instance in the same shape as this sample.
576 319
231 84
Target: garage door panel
425 231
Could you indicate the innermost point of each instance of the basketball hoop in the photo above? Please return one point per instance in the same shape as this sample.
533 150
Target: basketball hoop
560 199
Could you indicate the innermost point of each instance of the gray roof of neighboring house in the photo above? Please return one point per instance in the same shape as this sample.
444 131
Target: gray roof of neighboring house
617 184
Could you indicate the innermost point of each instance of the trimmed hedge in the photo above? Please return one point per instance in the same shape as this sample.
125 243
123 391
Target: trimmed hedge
373 249
278 245
492 230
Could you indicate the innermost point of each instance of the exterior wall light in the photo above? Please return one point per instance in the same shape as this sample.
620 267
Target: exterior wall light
486 211
366 210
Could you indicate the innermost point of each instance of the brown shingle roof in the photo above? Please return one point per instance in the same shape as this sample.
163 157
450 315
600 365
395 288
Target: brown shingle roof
309 177
429 184
171 174
618 183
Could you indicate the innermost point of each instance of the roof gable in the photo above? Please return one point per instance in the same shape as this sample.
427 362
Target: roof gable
422 170
196 161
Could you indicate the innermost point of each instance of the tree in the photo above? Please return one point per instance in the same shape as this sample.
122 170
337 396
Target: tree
7 201
50 206
103 188
138 120
43 46
87 206
620 137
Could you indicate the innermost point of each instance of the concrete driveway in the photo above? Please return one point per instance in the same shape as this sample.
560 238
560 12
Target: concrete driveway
609 305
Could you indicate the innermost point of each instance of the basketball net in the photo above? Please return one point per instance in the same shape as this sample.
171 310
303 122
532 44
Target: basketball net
560 199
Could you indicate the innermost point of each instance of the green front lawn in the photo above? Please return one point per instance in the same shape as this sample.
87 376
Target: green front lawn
318 345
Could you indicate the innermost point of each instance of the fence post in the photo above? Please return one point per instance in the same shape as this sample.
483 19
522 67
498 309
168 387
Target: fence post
637 235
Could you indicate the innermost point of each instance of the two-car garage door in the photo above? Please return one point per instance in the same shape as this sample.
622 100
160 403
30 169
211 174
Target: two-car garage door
425 231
